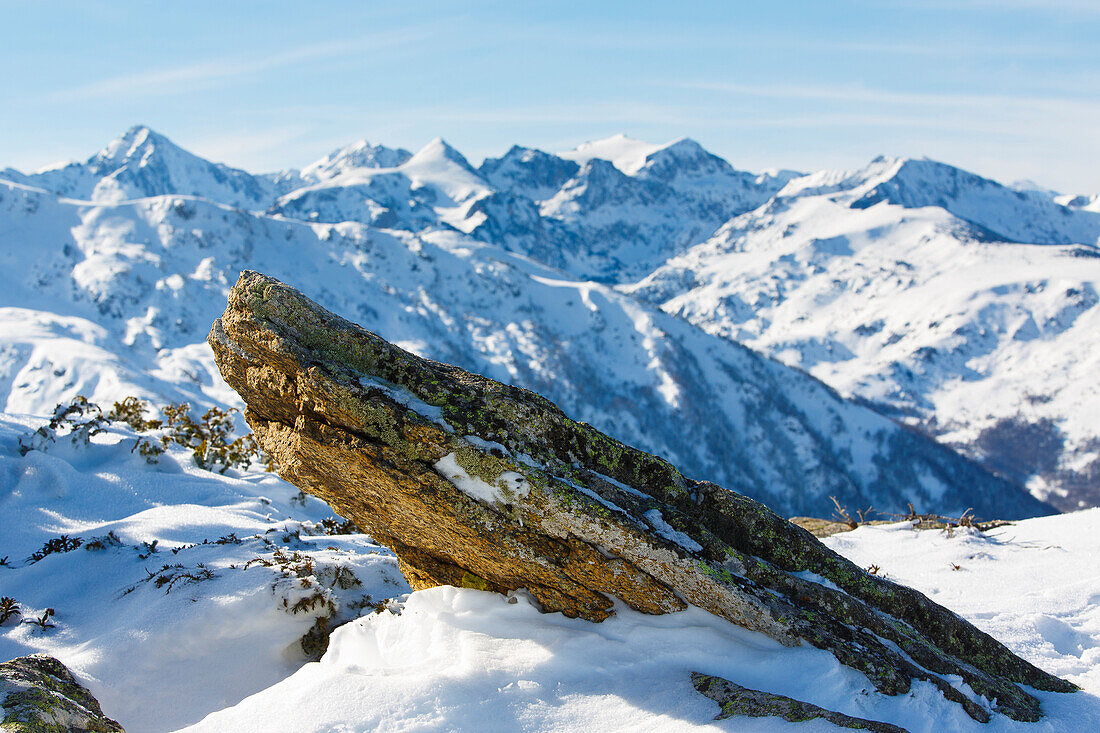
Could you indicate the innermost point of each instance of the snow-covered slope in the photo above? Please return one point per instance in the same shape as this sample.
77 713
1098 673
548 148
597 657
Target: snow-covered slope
895 285
178 609
1015 216
466 660
118 299
171 615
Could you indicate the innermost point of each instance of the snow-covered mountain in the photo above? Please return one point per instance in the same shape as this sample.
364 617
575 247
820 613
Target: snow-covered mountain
909 284
957 304
112 298
619 216
144 163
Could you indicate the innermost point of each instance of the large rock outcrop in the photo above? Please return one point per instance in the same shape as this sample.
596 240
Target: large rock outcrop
479 484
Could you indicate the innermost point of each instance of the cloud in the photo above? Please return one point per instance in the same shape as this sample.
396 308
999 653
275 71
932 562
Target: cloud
211 73
928 102
1085 7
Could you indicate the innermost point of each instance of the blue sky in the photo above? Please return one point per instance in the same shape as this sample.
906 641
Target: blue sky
1009 89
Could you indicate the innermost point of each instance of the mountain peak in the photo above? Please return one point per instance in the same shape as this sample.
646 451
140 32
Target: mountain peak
683 156
625 153
137 142
360 154
532 172
438 150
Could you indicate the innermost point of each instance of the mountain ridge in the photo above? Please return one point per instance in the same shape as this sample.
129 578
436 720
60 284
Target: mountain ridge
145 265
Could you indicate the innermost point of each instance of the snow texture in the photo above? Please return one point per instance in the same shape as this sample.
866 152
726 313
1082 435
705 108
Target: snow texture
505 489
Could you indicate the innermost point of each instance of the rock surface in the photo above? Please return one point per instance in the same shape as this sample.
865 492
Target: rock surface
38 694
738 700
479 484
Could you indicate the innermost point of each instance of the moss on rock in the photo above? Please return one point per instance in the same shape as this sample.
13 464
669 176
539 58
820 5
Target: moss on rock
309 379
736 700
38 694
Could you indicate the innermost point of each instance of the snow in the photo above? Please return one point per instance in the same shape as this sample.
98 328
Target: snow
625 153
674 535
459 659
1034 585
904 305
949 300
222 653
117 299
404 397
505 489
156 659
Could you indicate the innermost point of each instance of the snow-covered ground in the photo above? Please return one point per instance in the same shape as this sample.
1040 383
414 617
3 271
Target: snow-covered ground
165 637
223 652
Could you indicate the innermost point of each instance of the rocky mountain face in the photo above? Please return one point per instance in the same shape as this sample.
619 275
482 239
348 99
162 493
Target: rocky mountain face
478 484
957 305
122 259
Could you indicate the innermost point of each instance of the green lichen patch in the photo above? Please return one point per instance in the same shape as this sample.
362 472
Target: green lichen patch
38 694
737 700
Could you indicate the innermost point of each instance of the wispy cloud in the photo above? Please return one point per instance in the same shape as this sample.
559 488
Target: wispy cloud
172 80
1086 7
863 94
248 147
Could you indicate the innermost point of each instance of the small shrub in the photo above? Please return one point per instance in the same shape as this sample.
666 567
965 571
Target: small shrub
843 516
334 526
131 411
64 543
42 621
294 565
342 577
315 641
209 440
171 575
148 450
80 419
8 609
102 543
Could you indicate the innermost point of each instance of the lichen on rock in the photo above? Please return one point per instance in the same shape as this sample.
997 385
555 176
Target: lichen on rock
414 452
38 694
737 700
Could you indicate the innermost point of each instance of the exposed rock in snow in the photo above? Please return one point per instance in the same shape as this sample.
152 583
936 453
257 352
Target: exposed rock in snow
741 701
38 693
466 514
